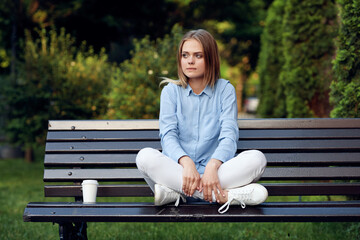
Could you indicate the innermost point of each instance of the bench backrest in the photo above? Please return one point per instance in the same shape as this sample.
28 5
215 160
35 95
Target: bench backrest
308 156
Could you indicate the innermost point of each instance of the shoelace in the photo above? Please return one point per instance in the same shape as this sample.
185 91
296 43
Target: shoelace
239 197
178 199
227 205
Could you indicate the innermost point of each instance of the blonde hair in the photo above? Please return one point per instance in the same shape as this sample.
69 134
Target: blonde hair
211 57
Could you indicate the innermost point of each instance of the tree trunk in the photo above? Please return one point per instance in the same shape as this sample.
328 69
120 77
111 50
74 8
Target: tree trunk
29 154
320 104
239 91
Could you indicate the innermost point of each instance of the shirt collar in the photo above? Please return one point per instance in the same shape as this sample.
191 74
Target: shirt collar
208 91
188 90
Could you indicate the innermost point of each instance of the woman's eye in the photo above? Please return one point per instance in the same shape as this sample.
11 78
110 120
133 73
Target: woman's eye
185 55
198 55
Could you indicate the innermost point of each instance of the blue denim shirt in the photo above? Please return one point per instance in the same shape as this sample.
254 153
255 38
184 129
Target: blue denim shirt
201 126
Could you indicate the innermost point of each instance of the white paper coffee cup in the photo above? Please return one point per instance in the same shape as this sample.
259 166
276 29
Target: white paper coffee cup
89 189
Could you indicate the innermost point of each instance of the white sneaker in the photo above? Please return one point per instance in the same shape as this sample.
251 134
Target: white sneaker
252 194
165 195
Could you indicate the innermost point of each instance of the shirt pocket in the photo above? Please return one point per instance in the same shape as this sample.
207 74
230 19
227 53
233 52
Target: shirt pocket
211 128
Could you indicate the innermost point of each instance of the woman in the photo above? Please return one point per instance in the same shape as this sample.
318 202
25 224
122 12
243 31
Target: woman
199 133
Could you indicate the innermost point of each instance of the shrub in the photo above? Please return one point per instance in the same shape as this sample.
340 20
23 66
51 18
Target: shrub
56 81
135 91
295 60
345 90
271 60
309 28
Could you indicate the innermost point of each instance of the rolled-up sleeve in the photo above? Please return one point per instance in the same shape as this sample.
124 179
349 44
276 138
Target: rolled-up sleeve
229 130
168 123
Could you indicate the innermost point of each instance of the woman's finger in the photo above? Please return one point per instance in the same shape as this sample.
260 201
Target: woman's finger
185 185
208 194
221 191
193 187
200 187
217 194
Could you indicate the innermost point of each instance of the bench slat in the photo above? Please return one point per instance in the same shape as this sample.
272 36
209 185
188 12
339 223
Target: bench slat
103 135
274 189
308 123
274 145
298 133
298 145
103 124
93 159
303 123
311 173
62 175
243 134
100 146
273 159
122 212
313 158
108 190
287 173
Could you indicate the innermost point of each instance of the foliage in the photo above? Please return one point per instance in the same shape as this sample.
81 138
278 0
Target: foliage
345 90
271 60
238 24
7 35
56 81
6 19
135 89
110 24
309 28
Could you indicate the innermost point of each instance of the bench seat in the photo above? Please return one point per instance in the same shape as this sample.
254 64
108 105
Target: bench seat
201 212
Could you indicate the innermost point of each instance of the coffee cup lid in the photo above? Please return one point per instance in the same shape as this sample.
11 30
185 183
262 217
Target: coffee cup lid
90 182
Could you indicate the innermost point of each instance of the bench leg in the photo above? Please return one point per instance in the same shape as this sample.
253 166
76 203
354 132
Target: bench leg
70 231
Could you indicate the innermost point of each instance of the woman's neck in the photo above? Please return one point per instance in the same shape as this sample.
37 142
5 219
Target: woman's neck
197 85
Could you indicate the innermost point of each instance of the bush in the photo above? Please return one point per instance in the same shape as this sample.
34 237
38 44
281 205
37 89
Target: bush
55 81
135 91
295 60
345 90
309 28
271 60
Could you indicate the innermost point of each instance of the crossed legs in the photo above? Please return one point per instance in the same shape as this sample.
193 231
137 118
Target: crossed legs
245 168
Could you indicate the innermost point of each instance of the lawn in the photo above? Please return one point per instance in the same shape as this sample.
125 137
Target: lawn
21 183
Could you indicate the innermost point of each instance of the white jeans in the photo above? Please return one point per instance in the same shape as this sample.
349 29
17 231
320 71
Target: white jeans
245 168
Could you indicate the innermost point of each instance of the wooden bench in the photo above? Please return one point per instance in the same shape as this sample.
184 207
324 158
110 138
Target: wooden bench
305 157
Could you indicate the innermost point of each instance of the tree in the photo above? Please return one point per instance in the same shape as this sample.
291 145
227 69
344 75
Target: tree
345 89
271 60
135 89
309 28
111 24
56 81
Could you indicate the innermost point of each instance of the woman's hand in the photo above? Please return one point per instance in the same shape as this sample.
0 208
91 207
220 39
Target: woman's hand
210 182
191 177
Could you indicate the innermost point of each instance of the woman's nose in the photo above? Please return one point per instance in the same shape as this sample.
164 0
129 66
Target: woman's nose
191 60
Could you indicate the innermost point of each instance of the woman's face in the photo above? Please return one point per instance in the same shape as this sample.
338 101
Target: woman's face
192 60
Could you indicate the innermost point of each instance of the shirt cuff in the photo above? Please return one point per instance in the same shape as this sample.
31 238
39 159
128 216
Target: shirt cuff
176 155
223 152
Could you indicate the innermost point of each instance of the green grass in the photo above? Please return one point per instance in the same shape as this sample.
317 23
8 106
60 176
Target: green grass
21 183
